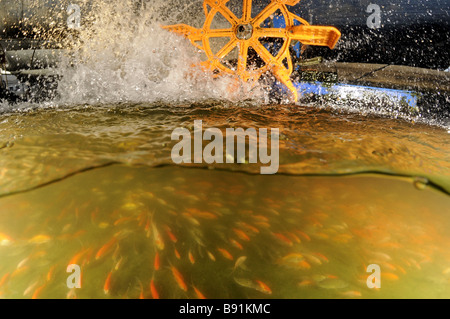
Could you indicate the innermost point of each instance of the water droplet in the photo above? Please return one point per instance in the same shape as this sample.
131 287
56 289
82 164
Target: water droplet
420 183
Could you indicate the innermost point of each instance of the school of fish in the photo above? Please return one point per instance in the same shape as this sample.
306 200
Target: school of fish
188 233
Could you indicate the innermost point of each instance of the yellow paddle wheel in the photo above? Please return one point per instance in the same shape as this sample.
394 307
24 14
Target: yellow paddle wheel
247 33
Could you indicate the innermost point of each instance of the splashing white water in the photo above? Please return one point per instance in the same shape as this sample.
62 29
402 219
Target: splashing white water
125 55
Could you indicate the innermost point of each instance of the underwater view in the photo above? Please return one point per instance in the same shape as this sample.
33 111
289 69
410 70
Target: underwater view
95 205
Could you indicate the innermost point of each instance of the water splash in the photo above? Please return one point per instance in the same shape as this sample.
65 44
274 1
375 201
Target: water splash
124 55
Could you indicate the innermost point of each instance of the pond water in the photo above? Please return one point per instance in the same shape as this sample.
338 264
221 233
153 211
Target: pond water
95 186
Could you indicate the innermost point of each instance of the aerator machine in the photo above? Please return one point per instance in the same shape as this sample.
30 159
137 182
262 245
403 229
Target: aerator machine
267 43
263 42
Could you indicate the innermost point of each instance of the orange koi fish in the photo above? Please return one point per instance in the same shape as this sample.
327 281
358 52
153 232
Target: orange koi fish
179 278
107 285
191 219
89 255
205 215
119 263
37 292
389 276
241 234
292 259
304 235
78 233
322 257
142 219
106 248
191 258
249 227
71 294
162 201
39 239
313 259
256 285
30 288
147 225
23 262
283 238
198 293
50 273
294 237
386 265
240 263
171 235
77 257
4 279
304 265
382 256
225 253
236 244
264 288
19 271
153 290
403 271
156 262
211 256
157 238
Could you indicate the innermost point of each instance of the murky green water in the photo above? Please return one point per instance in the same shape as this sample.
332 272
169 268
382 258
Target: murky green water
95 186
